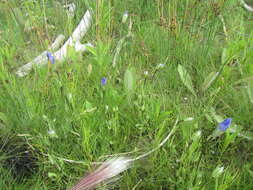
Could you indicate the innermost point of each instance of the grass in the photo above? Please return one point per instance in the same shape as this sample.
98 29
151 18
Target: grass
136 109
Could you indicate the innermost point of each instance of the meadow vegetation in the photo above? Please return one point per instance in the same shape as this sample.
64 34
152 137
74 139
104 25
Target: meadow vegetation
188 59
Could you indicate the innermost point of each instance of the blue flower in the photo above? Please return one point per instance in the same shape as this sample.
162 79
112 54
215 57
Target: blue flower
103 81
51 58
225 124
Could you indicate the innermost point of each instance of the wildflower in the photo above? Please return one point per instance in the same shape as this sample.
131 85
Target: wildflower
104 173
50 58
222 127
103 81
225 124
125 16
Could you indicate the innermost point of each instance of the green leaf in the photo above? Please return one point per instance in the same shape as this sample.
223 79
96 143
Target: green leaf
216 117
216 133
129 80
186 78
250 91
209 80
92 50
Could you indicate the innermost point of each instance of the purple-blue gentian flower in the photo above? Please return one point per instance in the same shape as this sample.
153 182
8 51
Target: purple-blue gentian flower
103 81
225 124
51 58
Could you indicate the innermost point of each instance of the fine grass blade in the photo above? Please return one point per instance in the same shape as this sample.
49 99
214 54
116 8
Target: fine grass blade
247 79
209 80
246 135
224 56
186 78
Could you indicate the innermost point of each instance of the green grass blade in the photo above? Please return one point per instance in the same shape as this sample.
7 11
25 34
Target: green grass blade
209 80
186 79
224 56
250 91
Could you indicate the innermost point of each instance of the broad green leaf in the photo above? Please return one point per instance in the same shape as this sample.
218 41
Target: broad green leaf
129 80
186 78
209 80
